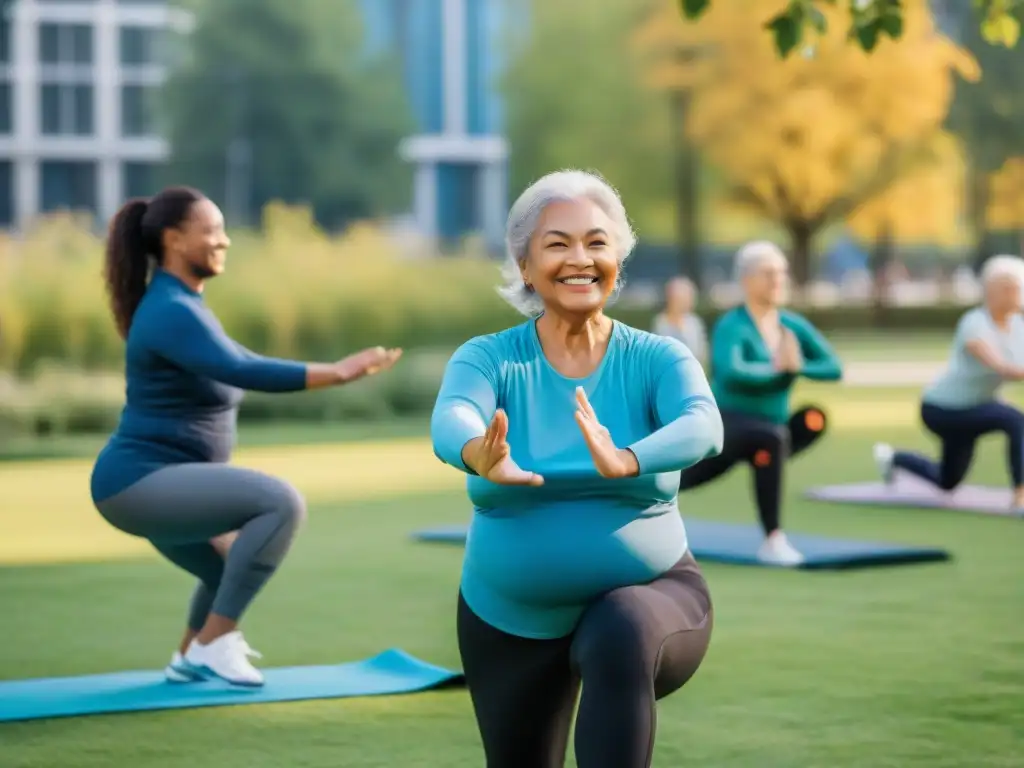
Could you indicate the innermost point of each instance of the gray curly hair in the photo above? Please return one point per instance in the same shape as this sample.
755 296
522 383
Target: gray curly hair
560 186
1002 267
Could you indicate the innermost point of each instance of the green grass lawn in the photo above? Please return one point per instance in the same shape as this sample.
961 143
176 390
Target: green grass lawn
24 448
902 667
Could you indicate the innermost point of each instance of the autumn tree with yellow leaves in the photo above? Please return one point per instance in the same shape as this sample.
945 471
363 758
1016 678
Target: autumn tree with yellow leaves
805 141
1006 199
924 205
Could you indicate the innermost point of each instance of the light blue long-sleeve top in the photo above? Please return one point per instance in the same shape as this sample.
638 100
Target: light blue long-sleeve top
537 556
966 381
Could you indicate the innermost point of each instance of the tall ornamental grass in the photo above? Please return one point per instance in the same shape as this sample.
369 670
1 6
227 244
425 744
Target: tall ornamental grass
291 290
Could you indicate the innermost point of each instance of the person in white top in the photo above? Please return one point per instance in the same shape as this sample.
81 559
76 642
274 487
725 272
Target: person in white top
679 321
963 403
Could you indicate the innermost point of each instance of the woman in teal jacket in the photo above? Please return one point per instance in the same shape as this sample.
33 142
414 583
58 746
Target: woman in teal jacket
758 351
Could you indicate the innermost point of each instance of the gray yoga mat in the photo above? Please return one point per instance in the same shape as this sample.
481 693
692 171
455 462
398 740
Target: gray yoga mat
909 491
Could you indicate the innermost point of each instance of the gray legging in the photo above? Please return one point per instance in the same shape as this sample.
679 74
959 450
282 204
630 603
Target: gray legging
180 508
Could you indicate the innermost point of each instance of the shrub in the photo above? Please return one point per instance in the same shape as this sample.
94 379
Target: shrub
297 292
293 291
57 401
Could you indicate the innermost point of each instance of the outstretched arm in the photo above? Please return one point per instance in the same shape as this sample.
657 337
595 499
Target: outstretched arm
195 341
465 404
821 363
988 356
971 332
691 424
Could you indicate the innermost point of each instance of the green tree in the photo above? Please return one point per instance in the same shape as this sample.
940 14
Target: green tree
998 21
575 98
272 101
988 116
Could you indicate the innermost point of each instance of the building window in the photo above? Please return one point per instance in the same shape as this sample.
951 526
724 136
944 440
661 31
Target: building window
137 110
140 179
65 43
6 193
66 185
66 109
5 38
142 45
6 109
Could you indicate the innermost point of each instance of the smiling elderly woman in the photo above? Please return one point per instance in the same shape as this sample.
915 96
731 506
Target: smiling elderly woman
573 429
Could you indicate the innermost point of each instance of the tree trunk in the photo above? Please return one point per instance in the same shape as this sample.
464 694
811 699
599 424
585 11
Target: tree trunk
687 186
801 237
977 202
881 261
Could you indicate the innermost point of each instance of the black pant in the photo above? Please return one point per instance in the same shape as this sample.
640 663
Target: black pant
632 646
765 446
959 430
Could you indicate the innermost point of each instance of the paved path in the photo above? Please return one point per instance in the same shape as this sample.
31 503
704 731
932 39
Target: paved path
891 373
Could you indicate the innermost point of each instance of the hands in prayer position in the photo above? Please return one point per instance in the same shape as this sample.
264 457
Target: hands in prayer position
789 358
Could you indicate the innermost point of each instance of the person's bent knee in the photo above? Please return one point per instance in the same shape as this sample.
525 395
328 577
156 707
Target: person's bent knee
772 445
284 502
815 420
290 505
810 421
1015 426
949 483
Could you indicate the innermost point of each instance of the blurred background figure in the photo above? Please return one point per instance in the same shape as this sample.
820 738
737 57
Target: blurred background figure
963 405
678 320
759 352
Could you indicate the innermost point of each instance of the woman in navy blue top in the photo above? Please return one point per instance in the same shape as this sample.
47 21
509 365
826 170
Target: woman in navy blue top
164 473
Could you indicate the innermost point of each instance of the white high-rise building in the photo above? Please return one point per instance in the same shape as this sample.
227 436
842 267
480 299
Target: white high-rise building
78 80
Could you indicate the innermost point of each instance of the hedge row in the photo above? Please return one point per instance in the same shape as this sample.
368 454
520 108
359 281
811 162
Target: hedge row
65 402
296 292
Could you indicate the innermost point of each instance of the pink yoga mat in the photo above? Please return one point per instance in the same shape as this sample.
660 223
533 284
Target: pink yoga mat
910 491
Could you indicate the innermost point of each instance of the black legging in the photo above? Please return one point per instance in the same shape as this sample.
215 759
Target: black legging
632 647
959 430
765 446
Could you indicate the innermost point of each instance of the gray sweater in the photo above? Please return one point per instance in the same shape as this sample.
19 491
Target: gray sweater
692 333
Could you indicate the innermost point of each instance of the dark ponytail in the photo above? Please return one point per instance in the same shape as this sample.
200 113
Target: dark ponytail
127 263
135 236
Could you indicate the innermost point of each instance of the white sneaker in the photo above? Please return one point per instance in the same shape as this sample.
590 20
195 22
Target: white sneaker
178 671
776 550
227 657
884 455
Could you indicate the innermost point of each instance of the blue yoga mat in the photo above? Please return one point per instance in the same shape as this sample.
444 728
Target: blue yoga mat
738 544
390 672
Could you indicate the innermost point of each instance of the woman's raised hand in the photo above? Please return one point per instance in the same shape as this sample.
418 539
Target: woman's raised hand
366 363
491 458
610 461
